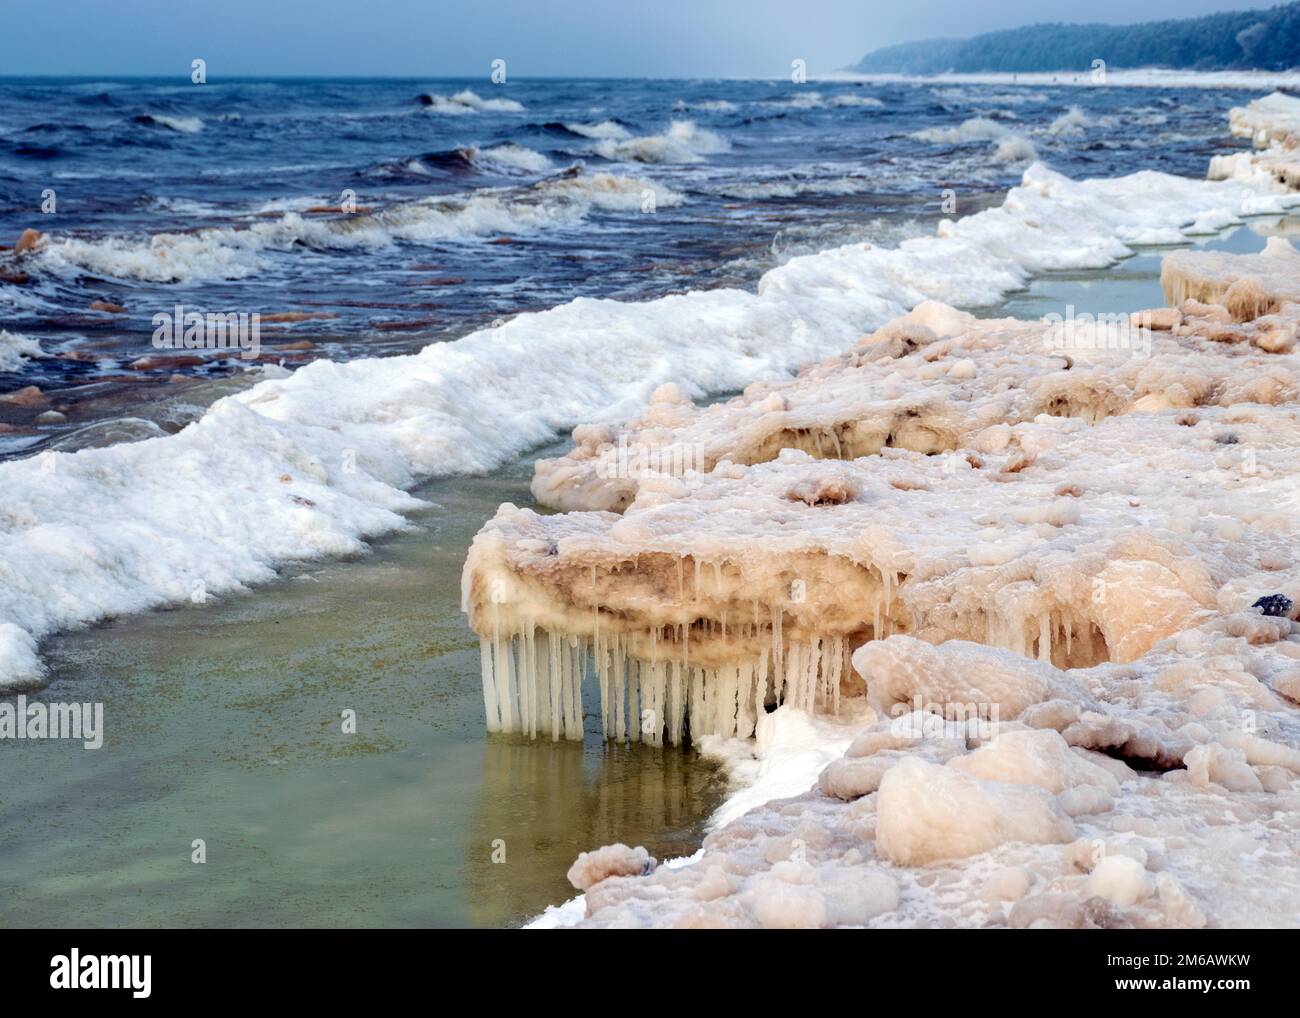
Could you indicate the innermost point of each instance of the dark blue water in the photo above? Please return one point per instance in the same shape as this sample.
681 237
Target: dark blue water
476 201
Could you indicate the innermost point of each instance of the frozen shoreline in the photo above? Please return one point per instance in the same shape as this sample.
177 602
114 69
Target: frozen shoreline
791 863
1153 783
313 464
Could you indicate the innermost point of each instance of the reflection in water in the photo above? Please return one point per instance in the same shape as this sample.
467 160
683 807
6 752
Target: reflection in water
549 801
222 722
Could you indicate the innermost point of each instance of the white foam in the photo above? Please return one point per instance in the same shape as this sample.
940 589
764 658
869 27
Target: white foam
15 349
1011 147
511 157
974 129
706 105
230 253
467 101
185 125
683 142
848 99
605 130
1072 121
793 187
1014 148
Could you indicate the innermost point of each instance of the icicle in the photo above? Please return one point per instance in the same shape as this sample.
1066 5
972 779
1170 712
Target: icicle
491 701
698 578
634 699
553 676
1045 637
679 704
501 672
695 709
621 666
745 713
778 651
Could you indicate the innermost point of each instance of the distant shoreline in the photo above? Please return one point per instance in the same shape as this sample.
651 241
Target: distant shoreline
1136 77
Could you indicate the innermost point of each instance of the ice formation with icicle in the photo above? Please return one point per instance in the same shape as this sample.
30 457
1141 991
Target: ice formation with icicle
1043 573
1062 637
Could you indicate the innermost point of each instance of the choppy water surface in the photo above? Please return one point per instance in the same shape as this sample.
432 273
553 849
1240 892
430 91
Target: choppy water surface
476 201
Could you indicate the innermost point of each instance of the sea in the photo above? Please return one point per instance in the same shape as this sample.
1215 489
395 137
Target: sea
373 217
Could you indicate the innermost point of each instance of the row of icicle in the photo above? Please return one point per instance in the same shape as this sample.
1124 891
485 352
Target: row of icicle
532 684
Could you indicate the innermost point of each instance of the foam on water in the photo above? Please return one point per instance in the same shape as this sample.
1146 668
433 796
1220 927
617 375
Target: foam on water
682 142
235 253
15 350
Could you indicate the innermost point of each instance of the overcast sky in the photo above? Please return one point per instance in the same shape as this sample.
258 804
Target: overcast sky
431 38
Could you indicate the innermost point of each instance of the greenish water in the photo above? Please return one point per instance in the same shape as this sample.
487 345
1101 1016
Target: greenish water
1133 284
223 724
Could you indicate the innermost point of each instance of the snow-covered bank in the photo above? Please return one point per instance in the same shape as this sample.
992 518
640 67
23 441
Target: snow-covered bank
314 463
1082 707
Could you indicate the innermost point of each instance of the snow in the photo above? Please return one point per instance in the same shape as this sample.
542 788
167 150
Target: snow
1062 708
591 868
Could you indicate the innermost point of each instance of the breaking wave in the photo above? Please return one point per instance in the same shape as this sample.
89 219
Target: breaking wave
185 125
236 253
683 142
15 350
467 101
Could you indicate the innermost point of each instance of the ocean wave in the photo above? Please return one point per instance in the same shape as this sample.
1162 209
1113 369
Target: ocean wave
237 253
795 187
1014 148
184 125
1011 147
606 130
974 129
313 464
467 101
683 142
1072 121
848 99
507 158
706 106
817 101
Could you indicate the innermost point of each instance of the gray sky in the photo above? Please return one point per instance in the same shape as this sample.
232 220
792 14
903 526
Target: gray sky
429 38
